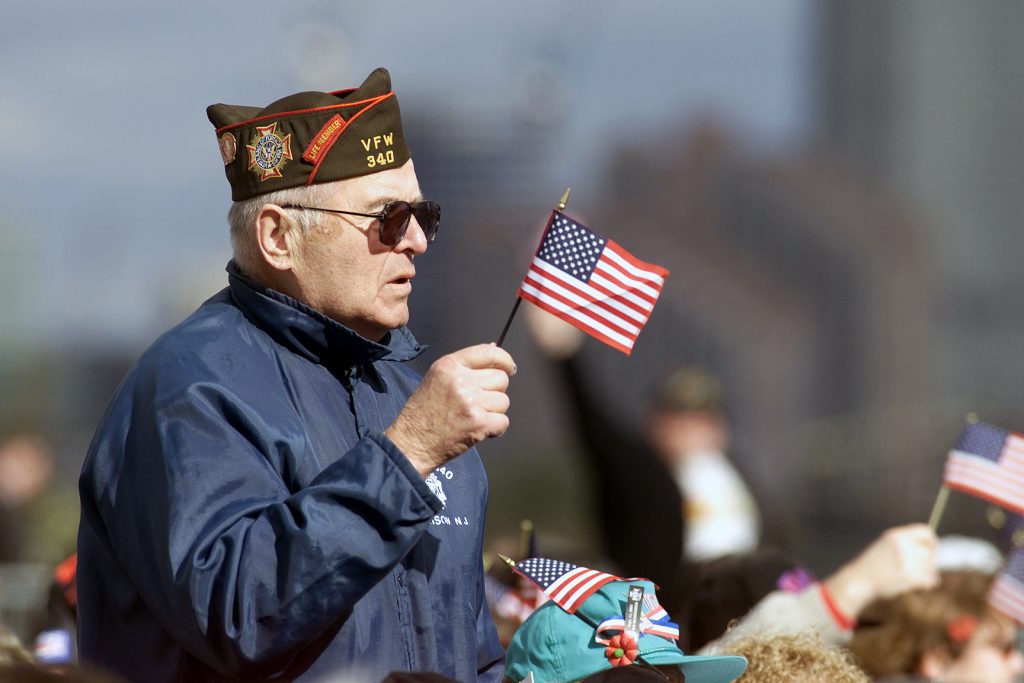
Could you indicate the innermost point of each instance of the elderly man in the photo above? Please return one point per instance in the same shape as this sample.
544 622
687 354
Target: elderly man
271 494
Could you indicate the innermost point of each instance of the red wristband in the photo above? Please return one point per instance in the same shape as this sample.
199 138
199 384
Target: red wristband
844 622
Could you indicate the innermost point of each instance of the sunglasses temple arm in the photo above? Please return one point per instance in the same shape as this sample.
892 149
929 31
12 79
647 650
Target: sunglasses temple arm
508 323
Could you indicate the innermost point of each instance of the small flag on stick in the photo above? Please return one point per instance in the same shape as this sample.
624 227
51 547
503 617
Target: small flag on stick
1007 592
988 462
592 283
568 585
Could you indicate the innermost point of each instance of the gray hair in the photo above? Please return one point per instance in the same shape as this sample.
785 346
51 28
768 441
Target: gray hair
242 215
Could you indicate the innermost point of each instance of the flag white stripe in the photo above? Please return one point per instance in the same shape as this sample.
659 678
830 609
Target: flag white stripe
596 293
569 588
567 578
1007 596
641 273
583 302
963 462
584 316
1008 591
989 482
644 287
598 277
613 271
576 315
985 476
585 589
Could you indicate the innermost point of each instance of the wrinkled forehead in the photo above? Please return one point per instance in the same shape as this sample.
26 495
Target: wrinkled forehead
373 191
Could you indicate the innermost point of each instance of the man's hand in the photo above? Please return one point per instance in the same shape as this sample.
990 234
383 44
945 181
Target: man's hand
901 559
460 402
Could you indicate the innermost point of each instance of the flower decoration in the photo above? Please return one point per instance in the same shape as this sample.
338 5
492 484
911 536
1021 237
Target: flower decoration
962 627
622 650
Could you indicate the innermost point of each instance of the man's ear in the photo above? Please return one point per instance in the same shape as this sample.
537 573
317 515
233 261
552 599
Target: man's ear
276 234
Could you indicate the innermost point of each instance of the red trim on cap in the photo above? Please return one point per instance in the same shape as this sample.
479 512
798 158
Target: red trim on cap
324 139
372 100
337 136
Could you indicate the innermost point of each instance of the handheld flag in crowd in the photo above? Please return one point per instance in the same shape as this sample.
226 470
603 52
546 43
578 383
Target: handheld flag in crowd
1007 592
592 283
988 462
568 585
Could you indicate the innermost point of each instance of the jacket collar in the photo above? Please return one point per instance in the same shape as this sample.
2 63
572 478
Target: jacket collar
312 334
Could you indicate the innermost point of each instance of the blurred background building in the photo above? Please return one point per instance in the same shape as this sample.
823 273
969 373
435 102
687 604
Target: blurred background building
837 188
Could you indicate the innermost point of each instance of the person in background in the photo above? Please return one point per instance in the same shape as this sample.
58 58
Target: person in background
688 428
638 505
947 633
900 560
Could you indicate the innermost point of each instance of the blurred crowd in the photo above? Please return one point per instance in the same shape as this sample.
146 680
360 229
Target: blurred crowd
681 521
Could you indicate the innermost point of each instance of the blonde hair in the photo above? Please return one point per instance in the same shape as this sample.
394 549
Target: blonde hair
794 658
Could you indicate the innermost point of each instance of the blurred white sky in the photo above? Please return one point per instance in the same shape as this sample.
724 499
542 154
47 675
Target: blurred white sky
113 186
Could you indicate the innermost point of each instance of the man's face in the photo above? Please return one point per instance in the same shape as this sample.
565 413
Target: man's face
343 270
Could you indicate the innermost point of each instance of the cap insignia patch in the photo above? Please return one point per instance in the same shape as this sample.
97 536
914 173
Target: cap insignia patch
228 147
269 151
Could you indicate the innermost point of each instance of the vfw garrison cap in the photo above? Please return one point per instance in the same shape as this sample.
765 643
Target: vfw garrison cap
310 137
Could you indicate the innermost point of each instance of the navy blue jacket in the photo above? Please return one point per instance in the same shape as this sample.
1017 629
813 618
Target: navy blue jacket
245 518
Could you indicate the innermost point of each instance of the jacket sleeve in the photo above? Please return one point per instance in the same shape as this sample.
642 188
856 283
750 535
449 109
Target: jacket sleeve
490 655
782 613
241 570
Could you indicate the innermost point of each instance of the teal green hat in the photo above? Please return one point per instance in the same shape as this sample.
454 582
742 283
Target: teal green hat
559 647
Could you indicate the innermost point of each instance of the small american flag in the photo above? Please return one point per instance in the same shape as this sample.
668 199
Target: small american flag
988 462
1007 592
591 282
567 584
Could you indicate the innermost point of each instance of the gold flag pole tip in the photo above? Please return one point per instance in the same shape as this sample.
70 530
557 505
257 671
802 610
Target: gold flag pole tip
507 560
564 201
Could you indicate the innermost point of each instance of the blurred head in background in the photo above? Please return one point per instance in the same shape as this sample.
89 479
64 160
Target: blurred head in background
948 633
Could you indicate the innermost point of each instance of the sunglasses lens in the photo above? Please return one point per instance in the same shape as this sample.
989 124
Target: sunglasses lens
396 221
428 215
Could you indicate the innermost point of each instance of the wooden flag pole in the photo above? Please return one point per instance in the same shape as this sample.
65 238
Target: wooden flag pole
562 203
939 508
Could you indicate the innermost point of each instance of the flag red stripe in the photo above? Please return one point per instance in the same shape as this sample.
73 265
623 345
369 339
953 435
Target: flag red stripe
609 285
983 478
593 314
645 290
973 467
613 311
623 300
567 309
625 346
656 271
569 583
588 589
1007 595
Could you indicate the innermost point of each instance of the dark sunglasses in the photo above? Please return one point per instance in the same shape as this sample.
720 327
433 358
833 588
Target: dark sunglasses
394 218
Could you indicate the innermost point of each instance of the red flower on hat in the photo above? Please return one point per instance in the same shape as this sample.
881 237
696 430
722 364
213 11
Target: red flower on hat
622 650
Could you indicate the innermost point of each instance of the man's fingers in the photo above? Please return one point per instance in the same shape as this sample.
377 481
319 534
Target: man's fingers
486 356
494 401
491 379
496 424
